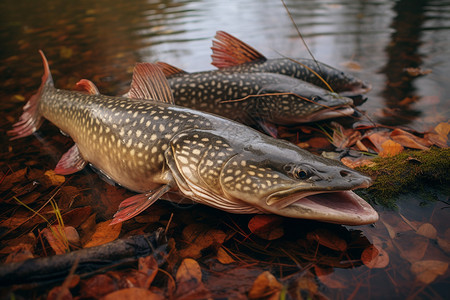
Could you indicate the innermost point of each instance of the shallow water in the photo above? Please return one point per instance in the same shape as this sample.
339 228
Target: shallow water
101 41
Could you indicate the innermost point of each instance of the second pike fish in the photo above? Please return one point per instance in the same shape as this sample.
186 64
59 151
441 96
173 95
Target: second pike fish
151 146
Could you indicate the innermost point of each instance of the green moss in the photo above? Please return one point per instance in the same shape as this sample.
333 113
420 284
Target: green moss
413 171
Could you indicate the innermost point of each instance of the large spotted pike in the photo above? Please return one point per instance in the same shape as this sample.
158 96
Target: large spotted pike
233 55
152 147
255 98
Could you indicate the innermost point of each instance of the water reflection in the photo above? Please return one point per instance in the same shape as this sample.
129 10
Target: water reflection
403 52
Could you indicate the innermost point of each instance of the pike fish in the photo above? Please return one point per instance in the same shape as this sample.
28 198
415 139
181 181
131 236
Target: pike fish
255 97
149 145
233 55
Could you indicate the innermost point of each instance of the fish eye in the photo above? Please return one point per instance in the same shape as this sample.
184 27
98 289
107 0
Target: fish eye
315 98
297 172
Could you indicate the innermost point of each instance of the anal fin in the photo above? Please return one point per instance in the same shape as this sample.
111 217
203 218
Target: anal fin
133 206
71 162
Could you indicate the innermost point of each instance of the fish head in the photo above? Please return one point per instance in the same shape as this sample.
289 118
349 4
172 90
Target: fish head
303 103
295 183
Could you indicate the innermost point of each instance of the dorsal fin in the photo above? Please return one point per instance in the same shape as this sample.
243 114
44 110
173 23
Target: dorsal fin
229 51
87 86
169 70
149 82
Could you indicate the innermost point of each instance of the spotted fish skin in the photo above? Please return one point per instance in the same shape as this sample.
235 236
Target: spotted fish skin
246 97
153 147
233 55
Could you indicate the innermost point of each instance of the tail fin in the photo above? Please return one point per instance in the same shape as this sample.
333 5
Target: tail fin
31 119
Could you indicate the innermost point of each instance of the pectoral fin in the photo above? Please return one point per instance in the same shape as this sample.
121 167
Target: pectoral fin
71 162
133 206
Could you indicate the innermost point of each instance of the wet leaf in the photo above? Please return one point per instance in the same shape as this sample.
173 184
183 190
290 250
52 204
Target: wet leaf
54 178
149 266
19 253
104 233
189 270
411 246
328 278
77 216
56 237
427 270
417 71
133 293
267 227
377 139
427 230
97 286
359 162
375 257
352 65
328 239
224 257
199 237
390 148
59 293
266 286
13 178
443 129
409 140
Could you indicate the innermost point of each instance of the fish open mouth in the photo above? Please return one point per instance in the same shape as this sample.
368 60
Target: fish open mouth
341 207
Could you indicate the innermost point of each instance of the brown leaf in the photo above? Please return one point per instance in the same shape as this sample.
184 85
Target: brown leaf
427 230
359 162
59 293
267 227
59 238
328 239
149 266
199 237
54 178
376 140
77 216
390 148
318 142
352 65
417 71
13 178
266 286
443 129
411 246
374 257
189 270
427 270
344 138
104 233
133 293
97 286
19 252
224 257
328 278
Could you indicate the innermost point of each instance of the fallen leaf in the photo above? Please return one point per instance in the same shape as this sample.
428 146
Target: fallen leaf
328 239
149 266
267 227
199 237
411 246
409 140
327 277
19 252
351 65
104 233
375 257
54 178
443 129
390 148
59 238
224 257
133 293
376 140
359 162
427 230
189 270
427 270
97 286
77 216
266 286
59 293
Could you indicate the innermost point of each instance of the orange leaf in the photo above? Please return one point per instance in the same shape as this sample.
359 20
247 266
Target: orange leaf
377 139
224 257
133 293
427 230
58 238
328 278
328 239
374 257
104 233
149 266
354 163
267 227
409 140
266 286
54 178
390 148
427 270
199 237
189 270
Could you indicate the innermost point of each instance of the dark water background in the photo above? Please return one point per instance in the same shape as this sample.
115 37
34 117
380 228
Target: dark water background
101 40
